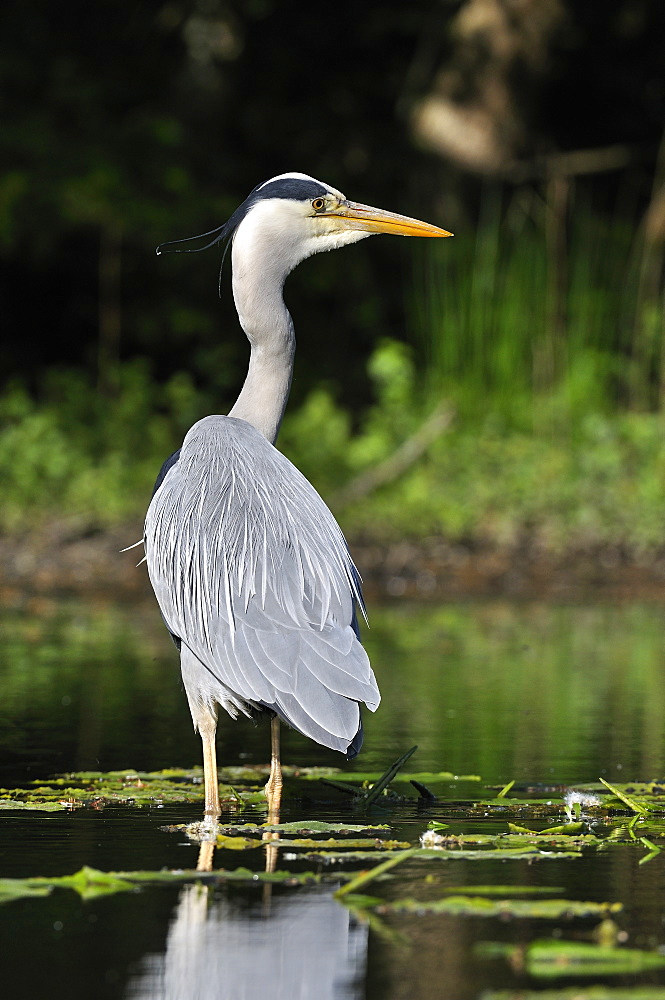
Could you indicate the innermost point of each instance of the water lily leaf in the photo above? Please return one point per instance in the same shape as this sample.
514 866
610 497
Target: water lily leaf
550 959
308 843
423 777
529 853
314 826
431 838
565 829
18 888
237 843
89 882
99 789
504 890
339 855
10 803
505 809
356 901
332 842
553 840
581 993
475 906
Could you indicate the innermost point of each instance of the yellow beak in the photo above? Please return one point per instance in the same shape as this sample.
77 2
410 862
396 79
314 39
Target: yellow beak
375 220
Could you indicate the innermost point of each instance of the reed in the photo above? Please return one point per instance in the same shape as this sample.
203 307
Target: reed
538 329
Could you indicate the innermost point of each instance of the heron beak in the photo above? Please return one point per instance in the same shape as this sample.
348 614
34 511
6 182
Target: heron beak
375 220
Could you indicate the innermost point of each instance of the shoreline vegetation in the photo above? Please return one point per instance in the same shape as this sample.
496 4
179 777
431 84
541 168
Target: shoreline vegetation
516 444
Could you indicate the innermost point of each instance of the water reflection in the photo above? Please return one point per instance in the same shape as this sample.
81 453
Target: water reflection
501 689
288 946
504 690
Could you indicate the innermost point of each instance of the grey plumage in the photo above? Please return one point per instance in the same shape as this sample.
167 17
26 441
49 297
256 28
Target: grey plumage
253 575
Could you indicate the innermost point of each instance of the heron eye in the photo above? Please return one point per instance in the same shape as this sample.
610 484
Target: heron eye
318 204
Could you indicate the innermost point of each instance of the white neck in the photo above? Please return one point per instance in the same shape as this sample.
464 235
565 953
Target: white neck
258 279
272 239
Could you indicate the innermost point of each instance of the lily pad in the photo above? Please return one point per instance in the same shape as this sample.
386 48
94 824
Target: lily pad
16 888
358 844
140 790
478 906
581 993
505 890
90 883
550 959
315 826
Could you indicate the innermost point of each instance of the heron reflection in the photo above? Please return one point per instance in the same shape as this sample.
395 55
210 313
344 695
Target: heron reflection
220 946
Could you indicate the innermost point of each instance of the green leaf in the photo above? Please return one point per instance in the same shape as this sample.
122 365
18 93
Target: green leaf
474 906
17 888
366 877
385 779
581 993
550 959
504 890
637 807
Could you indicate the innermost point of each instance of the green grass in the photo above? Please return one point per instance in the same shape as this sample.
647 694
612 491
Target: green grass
509 325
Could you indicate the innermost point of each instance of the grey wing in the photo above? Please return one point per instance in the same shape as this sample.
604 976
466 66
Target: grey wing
253 574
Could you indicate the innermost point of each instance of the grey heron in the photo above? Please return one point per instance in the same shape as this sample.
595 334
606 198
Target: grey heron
250 569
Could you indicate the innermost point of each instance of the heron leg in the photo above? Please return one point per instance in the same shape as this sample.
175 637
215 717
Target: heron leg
206 723
274 786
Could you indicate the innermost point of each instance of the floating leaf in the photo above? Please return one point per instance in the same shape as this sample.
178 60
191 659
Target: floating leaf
89 882
18 888
422 777
332 842
475 906
581 993
304 828
237 843
498 854
551 839
359 902
36 806
85 788
315 826
550 959
565 829
504 890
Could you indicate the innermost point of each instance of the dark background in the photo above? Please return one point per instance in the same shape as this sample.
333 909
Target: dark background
127 124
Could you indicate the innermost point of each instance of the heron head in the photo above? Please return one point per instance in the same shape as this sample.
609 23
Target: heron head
292 216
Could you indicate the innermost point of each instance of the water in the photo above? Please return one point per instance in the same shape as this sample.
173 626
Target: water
531 692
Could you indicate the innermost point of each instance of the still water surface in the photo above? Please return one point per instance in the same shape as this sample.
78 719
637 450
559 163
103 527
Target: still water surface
531 692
